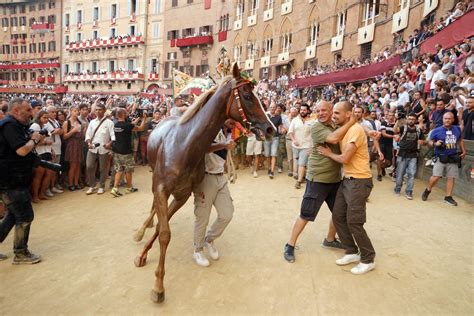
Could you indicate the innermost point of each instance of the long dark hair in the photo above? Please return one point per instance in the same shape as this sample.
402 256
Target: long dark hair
38 117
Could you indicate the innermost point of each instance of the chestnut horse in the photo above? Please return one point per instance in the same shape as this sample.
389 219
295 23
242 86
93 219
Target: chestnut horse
176 150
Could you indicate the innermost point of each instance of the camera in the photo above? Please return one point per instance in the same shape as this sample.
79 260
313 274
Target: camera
44 132
400 113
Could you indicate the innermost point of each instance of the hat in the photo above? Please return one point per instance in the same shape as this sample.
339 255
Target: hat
36 103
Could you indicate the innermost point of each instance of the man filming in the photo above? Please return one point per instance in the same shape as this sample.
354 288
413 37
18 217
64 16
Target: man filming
16 168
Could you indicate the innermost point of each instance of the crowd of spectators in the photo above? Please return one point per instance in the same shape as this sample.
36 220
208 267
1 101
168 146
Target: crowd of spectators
118 37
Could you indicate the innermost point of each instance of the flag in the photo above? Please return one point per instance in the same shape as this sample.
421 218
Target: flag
183 82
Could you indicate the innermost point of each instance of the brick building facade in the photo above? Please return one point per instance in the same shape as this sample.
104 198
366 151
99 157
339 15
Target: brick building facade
272 37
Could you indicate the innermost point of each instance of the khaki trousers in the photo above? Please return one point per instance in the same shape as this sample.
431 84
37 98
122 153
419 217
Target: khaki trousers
213 190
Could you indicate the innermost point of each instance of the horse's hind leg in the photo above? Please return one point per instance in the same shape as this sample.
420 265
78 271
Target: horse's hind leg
161 207
175 205
147 224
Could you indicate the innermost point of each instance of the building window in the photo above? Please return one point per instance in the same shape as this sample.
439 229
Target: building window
113 32
42 6
205 30
23 76
79 16
66 69
254 7
94 67
15 49
174 3
23 21
365 51
66 39
67 20
156 30
32 7
52 19
371 10
237 52
5 22
52 4
22 8
111 65
33 48
52 46
78 67
314 33
14 21
157 6
286 42
13 9
131 65
95 14
23 49
267 46
173 35
154 65
42 48
33 76
78 37
251 50
133 7
132 30
341 23
14 76
95 34
239 10
113 11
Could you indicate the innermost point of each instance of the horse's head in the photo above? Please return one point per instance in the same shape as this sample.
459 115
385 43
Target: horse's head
245 107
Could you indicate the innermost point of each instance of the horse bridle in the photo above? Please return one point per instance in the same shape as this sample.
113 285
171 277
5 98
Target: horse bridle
236 98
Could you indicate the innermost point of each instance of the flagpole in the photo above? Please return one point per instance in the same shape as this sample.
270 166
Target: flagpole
172 82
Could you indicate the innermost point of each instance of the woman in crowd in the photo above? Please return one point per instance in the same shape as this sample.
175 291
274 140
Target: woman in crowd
73 135
42 177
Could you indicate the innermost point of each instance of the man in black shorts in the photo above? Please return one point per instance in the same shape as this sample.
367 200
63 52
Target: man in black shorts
322 178
386 145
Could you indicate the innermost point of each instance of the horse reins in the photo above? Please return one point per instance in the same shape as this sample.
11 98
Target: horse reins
240 109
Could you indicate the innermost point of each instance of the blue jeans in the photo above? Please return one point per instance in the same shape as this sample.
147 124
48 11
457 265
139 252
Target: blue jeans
407 165
19 215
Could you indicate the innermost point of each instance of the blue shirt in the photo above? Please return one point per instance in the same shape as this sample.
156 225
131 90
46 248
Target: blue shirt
450 137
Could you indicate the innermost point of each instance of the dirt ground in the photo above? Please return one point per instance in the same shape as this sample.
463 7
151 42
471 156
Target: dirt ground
424 258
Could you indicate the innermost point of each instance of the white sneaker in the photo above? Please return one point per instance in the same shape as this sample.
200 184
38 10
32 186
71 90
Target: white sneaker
56 190
362 268
212 250
90 191
255 174
48 193
348 259
280 170
100 191
201 259
428 162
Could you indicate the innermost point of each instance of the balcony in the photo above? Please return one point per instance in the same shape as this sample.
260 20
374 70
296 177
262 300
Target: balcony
195 40
268 15
30 66
252 20
310 52
42 26
153 76
116 76
264 61
102 43
286 8
238 24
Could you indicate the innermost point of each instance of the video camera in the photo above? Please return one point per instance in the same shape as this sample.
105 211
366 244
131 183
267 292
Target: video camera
38 162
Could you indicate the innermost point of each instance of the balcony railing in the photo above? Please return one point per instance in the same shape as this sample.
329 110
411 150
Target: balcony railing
153 76
115 76
30 66
42 26
101 43
195 40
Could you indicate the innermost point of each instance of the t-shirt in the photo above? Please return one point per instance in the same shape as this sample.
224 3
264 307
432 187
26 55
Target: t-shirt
449 137
277 121
42 149
215 161
437 117
409 143
467 118
123 138
323 169
388 128
358 167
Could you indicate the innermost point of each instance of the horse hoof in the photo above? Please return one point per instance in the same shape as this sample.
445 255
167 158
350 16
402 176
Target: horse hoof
139 235
157 297
140 261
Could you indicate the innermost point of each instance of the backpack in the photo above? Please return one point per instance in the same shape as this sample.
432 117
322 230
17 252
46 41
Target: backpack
418 133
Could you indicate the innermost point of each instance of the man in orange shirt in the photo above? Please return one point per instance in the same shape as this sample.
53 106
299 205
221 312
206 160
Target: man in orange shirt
349 213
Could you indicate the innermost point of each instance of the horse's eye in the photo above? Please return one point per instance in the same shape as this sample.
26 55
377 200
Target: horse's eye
247 97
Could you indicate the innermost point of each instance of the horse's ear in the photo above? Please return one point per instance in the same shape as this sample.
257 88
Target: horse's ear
236 71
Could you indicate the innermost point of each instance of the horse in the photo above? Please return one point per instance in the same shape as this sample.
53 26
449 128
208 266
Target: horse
176 150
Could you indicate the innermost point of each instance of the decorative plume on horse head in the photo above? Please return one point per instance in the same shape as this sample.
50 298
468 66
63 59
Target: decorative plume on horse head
176 150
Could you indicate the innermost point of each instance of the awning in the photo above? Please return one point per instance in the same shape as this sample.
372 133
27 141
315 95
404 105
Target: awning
284 62
349 75
451 35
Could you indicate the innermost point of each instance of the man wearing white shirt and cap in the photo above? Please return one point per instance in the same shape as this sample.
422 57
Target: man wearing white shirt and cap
99 137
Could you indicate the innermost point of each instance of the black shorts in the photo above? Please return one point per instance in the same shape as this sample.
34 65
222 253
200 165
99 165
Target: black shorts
315 194
46 156
387 151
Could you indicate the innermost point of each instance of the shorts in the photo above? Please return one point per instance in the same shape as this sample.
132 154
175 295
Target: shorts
254 147
270 148
123 163
301 155
387 151
451 169
315 194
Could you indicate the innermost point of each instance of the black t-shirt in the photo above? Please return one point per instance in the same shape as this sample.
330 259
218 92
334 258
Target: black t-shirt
409 142
277 121
123 138
467 118
388 127
15 170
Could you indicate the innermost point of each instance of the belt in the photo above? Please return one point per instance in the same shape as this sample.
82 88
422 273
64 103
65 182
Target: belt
348 178
215 174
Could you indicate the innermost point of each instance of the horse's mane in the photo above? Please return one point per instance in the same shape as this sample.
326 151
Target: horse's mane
201 100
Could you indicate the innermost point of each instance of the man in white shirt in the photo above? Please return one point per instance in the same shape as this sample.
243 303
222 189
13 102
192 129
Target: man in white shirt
300 135
99 137
403 96
437 75
213 190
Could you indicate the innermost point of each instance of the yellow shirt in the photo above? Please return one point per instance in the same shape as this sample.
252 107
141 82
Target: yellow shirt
358 167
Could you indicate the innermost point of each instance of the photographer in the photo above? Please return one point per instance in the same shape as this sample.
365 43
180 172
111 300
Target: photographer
409 138
446 139
122 149
99 137
16 168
